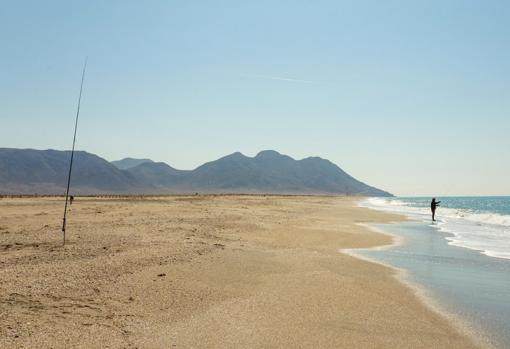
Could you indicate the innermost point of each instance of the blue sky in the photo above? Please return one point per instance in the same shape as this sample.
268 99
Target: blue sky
409 96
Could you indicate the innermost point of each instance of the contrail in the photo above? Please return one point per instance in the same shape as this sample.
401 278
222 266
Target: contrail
279 78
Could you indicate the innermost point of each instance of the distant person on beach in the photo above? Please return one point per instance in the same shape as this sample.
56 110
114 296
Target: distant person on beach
71 199
433 206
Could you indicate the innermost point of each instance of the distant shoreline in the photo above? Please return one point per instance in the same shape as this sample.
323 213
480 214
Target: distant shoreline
129 196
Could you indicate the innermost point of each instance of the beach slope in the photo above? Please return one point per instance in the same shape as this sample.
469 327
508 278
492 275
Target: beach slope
204 272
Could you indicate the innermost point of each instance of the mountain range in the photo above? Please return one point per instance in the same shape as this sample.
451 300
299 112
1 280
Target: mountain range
29 171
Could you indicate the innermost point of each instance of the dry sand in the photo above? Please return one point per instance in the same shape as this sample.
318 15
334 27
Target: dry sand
204 272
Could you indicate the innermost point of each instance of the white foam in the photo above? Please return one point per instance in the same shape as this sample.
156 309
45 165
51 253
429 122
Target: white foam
488 233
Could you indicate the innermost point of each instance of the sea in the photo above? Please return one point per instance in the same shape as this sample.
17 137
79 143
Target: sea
461 261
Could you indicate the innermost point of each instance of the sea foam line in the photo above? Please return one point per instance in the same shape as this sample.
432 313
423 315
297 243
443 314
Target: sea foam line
488 233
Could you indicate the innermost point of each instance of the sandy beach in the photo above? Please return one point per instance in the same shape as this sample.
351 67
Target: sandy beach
204 272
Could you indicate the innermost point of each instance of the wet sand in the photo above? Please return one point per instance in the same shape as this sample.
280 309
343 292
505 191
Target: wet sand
204 272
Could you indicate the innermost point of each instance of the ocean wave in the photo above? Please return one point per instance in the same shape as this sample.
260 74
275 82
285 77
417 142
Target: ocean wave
486 232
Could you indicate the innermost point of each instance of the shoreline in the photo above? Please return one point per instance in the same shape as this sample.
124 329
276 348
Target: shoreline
421 291
205 271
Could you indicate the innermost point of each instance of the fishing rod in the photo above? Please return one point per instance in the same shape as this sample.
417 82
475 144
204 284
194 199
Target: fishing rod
72 154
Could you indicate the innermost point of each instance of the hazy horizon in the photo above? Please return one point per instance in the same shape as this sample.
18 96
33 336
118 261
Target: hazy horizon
409 97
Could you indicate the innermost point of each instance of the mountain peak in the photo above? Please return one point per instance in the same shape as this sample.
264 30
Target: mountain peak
127 163
236 155
268 154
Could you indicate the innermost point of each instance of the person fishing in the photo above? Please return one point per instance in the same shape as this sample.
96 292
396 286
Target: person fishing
433 205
